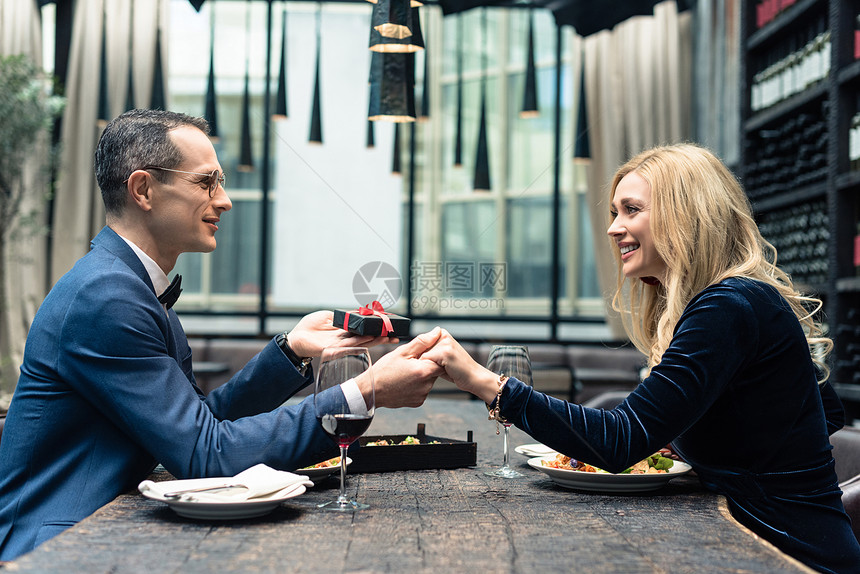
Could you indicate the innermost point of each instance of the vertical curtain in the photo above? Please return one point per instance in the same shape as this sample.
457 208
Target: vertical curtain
638 89
78 208
717 48
21 33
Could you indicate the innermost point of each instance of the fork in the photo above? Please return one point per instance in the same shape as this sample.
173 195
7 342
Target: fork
179 493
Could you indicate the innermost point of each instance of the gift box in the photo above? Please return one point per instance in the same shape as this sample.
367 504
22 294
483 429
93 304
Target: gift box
372 320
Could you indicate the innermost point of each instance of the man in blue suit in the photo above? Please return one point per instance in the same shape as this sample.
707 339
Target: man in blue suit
106 388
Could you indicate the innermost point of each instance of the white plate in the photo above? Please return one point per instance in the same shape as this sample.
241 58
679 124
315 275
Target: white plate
535 449
319 474
223 510
606 482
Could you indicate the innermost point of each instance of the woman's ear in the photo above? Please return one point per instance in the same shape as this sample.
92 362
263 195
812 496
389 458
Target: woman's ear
140 188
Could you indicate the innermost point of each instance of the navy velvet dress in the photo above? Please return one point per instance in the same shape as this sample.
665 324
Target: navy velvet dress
737 397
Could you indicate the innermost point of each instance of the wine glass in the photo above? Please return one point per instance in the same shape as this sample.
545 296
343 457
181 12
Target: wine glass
510 361
343 422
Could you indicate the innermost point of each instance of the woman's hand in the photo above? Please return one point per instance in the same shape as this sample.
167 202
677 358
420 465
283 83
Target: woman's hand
462 370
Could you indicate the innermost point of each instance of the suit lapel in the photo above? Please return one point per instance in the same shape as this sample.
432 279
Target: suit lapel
109 240
176 341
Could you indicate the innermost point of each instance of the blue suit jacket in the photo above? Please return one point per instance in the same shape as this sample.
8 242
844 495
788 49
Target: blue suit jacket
106 391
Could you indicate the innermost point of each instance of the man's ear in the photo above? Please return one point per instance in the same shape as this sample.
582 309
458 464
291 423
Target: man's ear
140 188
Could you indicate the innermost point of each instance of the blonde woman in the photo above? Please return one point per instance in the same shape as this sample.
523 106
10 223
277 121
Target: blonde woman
735 357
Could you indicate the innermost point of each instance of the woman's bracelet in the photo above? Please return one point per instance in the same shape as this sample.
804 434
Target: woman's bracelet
495 412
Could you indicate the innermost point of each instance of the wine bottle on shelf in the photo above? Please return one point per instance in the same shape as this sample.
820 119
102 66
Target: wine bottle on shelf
755 92
854 138
857 250
806 57
826 49
857 37
791 67
818 50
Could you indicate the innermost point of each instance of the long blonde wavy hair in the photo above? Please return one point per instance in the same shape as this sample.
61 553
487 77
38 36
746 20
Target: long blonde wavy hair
703 229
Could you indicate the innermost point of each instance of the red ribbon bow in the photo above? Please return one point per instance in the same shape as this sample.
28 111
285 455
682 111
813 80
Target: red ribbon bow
374 308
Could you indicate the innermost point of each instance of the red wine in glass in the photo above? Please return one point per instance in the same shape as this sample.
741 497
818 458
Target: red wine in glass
345 429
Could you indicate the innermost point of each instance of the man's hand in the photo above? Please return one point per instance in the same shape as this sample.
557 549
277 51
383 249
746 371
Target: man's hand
315 332
403 378
461 369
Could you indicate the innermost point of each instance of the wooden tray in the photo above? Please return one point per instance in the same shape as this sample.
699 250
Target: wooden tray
448 453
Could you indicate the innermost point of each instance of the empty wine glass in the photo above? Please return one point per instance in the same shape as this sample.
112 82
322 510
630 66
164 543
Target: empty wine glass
342 422
510 361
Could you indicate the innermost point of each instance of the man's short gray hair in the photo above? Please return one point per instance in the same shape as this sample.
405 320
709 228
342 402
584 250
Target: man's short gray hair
133 140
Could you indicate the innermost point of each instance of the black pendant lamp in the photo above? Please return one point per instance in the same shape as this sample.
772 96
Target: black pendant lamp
158 98
582 145
246 156
211 108
395 26
281 98
370 141
530 105
424 114
392 87
458 137
316 111
481 181
104 98
395 153
129 95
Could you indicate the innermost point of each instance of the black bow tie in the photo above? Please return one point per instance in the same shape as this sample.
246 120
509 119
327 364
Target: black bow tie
171 294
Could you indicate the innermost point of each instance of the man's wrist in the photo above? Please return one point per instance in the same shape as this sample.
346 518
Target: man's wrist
300 363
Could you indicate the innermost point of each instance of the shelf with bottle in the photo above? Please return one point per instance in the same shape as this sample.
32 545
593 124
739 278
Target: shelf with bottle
793 62
848 62
784 108
788 158
854 137
848 285
767 10
848 73
849 266
800 234
848 180
790 197
846 339
783 18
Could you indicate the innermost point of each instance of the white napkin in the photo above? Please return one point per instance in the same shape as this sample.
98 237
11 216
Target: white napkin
537 449
260 482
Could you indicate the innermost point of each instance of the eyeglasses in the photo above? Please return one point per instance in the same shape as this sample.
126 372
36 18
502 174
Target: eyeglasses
213 180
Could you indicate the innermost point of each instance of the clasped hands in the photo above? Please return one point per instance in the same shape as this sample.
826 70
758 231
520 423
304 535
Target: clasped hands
404 376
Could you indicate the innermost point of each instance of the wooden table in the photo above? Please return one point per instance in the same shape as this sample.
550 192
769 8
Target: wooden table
434 521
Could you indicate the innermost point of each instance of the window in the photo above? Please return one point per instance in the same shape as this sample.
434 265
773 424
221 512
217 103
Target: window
489 251
511 225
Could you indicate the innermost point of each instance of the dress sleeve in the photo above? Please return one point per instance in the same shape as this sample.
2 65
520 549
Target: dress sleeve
834 412
710 345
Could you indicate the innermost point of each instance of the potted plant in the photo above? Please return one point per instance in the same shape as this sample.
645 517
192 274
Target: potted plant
28 112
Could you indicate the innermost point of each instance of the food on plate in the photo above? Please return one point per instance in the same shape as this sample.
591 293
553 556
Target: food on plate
407 440
654 464
324 464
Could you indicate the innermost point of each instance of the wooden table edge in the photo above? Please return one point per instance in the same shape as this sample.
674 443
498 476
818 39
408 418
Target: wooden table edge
723 507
